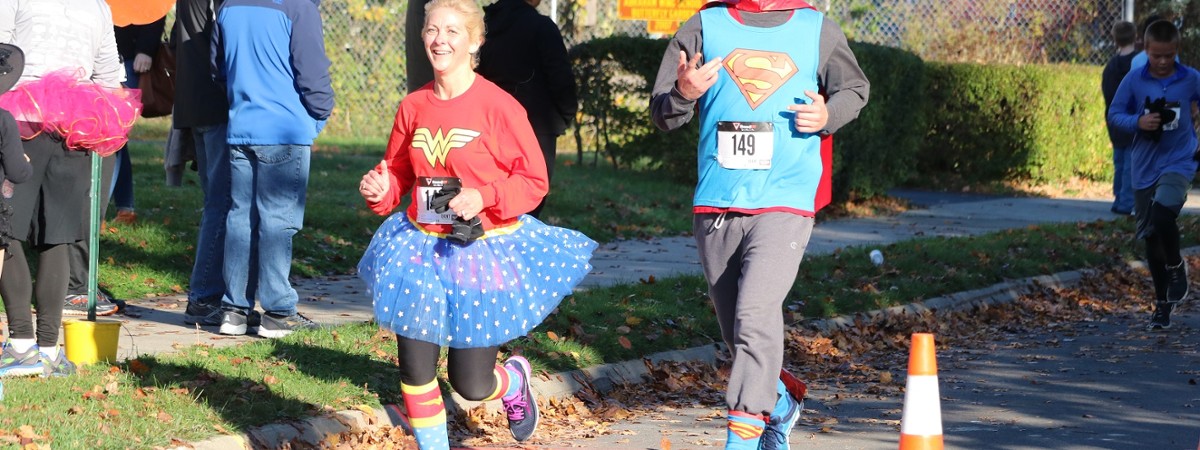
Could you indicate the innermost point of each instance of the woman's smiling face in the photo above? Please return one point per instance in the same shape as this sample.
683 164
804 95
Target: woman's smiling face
448 42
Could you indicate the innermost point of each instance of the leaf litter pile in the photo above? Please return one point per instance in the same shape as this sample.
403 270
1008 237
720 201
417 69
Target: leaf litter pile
865 359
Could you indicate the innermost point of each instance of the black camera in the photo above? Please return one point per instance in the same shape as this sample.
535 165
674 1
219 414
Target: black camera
462 232
1166 115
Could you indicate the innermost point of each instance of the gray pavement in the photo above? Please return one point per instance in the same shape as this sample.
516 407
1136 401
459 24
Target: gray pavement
1005 401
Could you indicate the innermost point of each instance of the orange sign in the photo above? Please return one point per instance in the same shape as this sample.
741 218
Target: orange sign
661 16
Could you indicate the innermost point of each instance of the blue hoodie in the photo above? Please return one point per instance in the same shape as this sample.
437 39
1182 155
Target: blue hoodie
1172 152
271 56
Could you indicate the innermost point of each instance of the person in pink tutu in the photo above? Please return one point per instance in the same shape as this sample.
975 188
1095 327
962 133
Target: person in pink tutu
464 266
67 104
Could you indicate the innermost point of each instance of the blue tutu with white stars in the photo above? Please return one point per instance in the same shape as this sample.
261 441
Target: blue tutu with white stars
484 294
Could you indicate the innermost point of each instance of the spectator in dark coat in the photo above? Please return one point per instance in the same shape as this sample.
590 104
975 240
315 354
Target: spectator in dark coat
524 54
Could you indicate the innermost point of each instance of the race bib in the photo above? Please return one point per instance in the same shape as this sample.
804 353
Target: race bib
1172 125
745 145
427 188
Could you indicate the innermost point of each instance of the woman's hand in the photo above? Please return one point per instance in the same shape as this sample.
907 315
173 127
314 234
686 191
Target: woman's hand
467 204
141 63
375 184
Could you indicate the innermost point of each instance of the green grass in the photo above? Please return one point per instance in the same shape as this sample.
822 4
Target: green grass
203 391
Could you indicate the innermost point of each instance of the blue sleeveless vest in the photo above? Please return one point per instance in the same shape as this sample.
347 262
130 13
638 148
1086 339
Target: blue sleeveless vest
764 70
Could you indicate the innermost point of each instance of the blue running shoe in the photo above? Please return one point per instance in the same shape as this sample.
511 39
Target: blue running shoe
778 430
13 364
521 408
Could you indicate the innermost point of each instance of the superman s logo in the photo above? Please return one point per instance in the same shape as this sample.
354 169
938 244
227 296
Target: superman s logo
757 73
437 145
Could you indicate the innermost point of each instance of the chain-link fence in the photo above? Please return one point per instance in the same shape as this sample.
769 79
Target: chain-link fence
992 31
365 39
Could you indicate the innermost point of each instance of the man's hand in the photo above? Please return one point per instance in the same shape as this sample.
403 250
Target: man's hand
1149 122
692 82
141 63
811 117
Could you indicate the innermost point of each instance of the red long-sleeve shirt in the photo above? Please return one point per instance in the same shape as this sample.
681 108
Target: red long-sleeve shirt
482 137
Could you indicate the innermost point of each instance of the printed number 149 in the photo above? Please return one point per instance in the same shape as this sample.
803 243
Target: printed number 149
743 144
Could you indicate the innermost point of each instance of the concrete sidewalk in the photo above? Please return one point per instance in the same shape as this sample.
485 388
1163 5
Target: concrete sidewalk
340 299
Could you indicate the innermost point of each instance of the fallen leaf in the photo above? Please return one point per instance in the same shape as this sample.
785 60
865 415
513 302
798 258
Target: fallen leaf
624 341
164 417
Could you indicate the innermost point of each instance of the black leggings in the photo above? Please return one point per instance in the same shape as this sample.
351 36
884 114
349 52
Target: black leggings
1162 247
17 288
469 369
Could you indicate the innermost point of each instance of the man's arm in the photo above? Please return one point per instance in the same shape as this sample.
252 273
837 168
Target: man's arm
310 64
668 107
216 51
839 75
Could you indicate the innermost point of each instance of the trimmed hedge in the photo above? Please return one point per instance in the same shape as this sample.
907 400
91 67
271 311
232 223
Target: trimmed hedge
926 125
1043 123
879 150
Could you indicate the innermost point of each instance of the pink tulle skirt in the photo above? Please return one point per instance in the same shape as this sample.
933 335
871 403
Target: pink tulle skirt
86 115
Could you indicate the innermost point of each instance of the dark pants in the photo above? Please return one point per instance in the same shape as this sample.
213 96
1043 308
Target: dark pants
47 217
79 250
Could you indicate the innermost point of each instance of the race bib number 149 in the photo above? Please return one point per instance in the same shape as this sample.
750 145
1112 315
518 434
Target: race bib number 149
745 145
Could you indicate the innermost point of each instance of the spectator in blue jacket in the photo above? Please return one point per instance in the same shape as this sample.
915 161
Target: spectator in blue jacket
271 57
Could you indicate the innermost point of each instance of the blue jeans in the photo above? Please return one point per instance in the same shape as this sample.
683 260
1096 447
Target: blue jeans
1122 181
212 157
268 185
122 187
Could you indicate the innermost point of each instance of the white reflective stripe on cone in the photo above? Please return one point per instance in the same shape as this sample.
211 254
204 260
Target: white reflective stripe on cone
922 407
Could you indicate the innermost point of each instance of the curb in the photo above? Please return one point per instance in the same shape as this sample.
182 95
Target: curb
315 430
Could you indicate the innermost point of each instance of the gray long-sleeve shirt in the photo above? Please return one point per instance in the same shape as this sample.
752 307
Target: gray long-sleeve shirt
838 73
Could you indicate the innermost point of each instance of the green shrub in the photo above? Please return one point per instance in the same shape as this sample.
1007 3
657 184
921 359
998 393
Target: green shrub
614 77
879 150
1040 123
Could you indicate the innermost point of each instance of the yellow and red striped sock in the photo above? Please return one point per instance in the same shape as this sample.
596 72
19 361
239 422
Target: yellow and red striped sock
427 414
507 382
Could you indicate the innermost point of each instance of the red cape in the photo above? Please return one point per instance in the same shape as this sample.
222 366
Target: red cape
761 5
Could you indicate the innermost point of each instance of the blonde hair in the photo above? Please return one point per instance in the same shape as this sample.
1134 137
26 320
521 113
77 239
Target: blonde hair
474 15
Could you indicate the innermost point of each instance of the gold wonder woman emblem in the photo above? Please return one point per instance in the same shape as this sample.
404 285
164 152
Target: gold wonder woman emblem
436 145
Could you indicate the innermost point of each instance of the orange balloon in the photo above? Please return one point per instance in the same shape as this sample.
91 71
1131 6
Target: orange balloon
138 12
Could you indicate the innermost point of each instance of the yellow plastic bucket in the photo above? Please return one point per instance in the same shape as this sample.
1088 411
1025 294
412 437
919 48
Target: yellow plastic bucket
89 342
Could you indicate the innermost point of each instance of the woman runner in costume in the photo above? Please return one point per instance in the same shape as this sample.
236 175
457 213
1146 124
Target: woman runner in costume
463 266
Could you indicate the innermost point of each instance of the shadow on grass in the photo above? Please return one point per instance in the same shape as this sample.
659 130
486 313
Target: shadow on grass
256 399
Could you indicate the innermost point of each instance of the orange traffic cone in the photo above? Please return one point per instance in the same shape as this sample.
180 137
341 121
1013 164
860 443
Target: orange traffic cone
921 423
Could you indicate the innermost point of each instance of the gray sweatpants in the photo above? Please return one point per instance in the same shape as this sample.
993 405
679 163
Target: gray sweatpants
750 262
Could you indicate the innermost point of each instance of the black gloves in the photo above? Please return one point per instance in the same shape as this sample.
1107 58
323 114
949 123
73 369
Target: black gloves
463 232
1165 113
